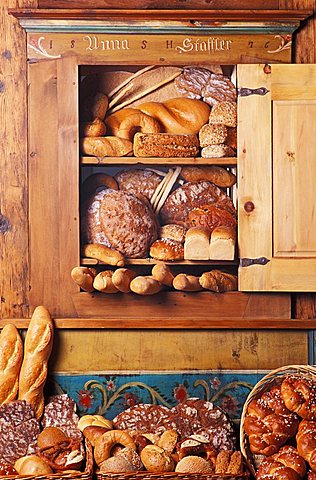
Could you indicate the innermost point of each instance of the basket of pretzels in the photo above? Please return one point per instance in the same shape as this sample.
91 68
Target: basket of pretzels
278 425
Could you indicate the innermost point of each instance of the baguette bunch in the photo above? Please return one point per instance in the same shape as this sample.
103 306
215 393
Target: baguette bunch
24 374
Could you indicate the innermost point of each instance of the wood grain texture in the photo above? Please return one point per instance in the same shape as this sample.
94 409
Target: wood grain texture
111 350
14 267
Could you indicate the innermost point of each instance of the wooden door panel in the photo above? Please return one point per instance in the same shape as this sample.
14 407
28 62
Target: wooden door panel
294 178
276 178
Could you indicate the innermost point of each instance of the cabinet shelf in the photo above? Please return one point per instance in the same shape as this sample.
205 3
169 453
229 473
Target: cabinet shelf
224 161
152 261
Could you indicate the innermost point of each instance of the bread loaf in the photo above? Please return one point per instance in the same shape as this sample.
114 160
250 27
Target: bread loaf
186 283
224 113
210 216
103 253
96 181
197 244
166 250
145 285
106 146
218 281
165 145
94 106
217 151
122 278
212 173
83 277
173 231
37 349
162 273
103 282
11 354
212 134
222 244
137 122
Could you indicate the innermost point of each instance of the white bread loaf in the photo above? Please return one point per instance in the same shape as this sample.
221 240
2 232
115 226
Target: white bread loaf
197 244
37 349
11 354
222 244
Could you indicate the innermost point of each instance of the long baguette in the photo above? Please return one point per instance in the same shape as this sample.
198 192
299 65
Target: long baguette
11 354
37 349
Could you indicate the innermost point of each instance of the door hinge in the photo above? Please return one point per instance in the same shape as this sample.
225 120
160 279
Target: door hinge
247 262
245 92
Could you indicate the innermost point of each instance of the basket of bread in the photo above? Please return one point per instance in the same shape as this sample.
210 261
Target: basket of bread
193 440
278 425
39 438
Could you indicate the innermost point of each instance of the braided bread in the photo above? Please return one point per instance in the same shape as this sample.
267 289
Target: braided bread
287 464
268 423
299 395
306 442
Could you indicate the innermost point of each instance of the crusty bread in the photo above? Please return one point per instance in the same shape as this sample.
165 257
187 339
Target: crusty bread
197 244
122 278
162 273
218 281
103 282
212 173
37 349
83 277
212 134
11 354
217 151
173 231
138 122
145 285
222 244
187 283
166 250
224 113
106 146
103 253
165 145
96 128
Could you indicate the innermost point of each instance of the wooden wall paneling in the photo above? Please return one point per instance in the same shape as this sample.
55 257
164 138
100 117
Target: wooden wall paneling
53 168
97 350
14 268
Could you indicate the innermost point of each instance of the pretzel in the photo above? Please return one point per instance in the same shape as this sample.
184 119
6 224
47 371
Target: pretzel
287 464
65 455
299 395
306 442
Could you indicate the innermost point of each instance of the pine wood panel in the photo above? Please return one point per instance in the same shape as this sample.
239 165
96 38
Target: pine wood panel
54 215
112 350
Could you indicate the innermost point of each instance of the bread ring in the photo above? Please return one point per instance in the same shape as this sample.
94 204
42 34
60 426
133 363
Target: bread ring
114 120
97 180
138 122
108 440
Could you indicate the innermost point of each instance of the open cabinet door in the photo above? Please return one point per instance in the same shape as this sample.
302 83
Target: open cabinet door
53 180
277 177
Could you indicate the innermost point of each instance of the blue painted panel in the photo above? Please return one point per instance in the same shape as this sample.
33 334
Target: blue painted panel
109 394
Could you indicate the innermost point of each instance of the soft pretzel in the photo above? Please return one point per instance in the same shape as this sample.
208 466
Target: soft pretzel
268 423
306 442
299 395
287 464
108 440
137 122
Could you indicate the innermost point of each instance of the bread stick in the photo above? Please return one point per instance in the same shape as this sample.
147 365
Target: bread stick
186 283
122 278
37 349
83 277
145 285
103 282
11 355
104 254
162 273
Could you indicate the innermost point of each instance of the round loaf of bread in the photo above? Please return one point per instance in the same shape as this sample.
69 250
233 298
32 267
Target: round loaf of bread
194 464
166 250
192 195
210 216
173 231
121 221
138 181
156 459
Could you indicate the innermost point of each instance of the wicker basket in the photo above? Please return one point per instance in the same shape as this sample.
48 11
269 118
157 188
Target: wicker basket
86 475
170 476
266 383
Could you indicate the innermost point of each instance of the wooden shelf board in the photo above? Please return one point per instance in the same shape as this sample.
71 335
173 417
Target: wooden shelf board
151 261
118 322
226 161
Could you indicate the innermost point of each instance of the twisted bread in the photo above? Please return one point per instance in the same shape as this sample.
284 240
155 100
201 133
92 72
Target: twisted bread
299 395
11 353
37 349
287 464
268 423
137 122
306 442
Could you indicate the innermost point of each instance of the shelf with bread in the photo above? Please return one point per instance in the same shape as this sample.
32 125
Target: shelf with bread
223 161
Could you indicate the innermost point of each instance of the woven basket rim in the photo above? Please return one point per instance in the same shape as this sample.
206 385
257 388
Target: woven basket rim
275 377
85 475
161 476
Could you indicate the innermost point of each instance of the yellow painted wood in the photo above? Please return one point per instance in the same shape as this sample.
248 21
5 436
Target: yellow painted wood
276 178
95 350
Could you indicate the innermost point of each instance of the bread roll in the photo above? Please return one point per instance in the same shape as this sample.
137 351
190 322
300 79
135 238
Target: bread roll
197 244
222 244
37 349
173 231
187 283
50 436
145 285
218 281
93 432
103 253
83 277
212 134
224 113
212 173
122 278
11 354
103 282
32 465
162 273
194 464
117 464
96 128
156 459
217 151
165 145
166 250
95 420
106 146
